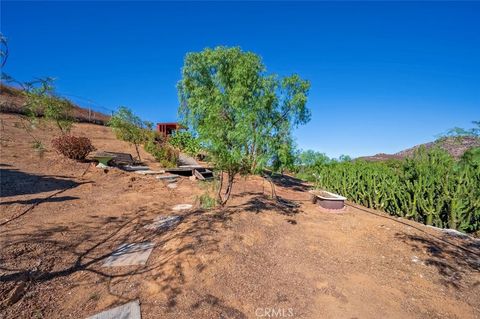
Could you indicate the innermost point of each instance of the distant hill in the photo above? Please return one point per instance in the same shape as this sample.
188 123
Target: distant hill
455 146
12 101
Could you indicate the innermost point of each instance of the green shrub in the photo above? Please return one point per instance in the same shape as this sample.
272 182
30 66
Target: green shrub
76 148
186 142
207 202
162 152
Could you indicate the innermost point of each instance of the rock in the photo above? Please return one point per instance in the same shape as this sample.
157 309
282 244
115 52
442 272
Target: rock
130 254
129 310
163 222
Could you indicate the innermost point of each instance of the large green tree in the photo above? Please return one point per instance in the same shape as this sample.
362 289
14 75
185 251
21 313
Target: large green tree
238 110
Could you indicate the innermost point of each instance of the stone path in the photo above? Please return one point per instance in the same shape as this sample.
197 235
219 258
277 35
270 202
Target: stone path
150 172
136 254
130 254
168 177
129 310
162 222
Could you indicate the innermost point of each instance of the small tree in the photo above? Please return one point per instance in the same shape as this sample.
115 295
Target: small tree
3 50
42 100
42 103
129 128
237 110
458 132
310 157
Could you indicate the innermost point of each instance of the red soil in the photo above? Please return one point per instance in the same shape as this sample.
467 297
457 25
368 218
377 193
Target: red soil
59 219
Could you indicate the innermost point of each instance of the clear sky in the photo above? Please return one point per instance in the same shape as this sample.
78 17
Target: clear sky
385 75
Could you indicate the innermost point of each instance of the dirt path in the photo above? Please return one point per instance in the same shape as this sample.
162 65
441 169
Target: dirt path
254 259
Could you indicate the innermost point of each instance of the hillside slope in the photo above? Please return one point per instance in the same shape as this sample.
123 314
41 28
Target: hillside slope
12 101
60 220
455 146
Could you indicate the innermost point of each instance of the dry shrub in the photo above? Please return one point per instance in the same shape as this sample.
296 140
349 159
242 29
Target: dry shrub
76 148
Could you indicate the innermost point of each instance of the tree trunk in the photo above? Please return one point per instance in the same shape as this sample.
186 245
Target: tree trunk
272 185
228 191
138 153
219 192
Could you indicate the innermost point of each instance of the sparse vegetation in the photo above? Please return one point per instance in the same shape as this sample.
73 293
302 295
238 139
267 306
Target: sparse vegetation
41 101
76 148
207 201
38 147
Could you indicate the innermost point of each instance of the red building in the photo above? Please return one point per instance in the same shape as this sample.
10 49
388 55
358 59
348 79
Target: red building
166 129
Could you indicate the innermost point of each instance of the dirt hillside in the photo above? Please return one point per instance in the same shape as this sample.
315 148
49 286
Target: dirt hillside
12 101
256 258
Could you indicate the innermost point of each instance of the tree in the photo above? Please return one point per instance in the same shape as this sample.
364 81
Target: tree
310 157
129 128
458 132
285 155
3 50
237 110
344 158
42 100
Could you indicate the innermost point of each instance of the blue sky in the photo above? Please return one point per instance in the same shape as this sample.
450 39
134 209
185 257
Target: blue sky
385 75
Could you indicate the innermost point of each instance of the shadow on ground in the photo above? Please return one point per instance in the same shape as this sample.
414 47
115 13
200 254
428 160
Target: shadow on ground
34 201
51 254
262 203
451 260
290 182
15 182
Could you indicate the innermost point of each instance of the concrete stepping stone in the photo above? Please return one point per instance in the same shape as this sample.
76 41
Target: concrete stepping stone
180 207
133 168
129 310
168 177
164 222
130 254
149 172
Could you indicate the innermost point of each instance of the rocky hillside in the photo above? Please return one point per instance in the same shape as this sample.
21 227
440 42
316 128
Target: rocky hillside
455 146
